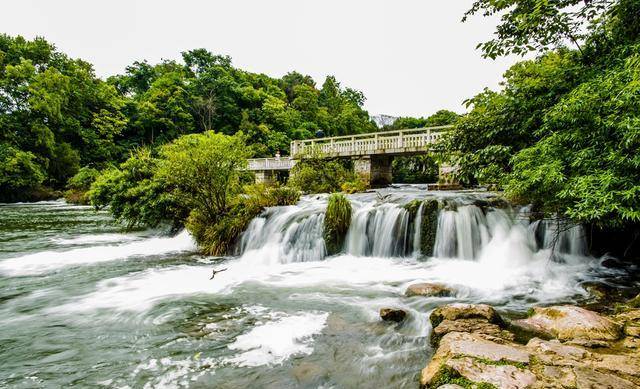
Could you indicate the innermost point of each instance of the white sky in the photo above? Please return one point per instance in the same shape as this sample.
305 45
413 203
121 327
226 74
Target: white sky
409 57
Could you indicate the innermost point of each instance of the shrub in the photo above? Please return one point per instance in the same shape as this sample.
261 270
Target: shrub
354 186
19 172
79 185
316 175
336 222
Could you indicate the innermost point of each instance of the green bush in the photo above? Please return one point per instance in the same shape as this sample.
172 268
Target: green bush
316 175
78 186
19 173
336 222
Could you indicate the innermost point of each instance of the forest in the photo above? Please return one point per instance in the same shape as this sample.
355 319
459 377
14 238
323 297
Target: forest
562 133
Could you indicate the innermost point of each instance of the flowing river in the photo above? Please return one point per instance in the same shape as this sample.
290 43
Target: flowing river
83 303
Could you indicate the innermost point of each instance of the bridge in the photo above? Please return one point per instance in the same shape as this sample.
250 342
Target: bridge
372 153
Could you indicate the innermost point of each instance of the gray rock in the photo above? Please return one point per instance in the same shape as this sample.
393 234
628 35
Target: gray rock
428 289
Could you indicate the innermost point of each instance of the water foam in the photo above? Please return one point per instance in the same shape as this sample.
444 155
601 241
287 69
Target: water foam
48 261
274 342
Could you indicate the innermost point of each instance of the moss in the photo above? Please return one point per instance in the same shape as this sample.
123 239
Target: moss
336 222
502 362
447 375
429 226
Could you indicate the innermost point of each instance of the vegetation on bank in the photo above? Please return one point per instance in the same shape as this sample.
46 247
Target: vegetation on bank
564 132
56 116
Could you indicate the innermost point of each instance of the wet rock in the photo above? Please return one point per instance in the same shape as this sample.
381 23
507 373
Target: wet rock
590 378
428 289
458 311
477 359
568 322
392 314
477 326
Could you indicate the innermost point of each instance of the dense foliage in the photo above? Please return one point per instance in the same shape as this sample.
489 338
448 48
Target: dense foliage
318 175
56 116
564 132
419 168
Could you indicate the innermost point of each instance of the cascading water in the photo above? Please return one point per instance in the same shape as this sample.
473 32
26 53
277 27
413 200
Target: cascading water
282 313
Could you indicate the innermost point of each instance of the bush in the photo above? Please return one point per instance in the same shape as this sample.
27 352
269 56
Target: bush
316 175
79 185
19 173
336 222
135 195
357 185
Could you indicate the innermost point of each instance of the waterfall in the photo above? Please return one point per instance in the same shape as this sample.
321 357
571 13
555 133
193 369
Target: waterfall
417 231
465 231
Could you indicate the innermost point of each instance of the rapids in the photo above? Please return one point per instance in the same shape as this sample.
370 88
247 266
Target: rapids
84 303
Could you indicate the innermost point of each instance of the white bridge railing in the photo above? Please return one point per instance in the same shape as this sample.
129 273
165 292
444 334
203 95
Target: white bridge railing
282 163
387 142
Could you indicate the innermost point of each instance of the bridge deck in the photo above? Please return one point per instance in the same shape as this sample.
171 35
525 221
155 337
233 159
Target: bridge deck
412 141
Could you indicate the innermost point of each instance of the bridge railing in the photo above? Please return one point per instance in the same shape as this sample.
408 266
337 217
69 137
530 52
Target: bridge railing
283 163
386 142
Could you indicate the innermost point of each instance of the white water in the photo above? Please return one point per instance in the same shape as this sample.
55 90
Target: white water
48 261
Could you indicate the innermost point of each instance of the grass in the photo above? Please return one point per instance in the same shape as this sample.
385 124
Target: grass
336 222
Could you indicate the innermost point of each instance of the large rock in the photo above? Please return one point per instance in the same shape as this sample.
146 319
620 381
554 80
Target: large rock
428 289
392 314
478 359
569 322
476 326
458 311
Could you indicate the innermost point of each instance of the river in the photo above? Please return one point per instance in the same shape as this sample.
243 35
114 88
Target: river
84 303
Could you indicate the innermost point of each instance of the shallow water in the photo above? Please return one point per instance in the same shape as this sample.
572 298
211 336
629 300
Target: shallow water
83 303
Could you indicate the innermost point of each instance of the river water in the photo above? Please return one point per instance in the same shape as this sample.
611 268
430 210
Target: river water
84 303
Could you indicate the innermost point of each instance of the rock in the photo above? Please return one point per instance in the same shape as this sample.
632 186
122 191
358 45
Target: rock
428 289
568 322
458 311
589 343
477 326
455 345
392 314
632 343
501 376
557 354
589 378
450 386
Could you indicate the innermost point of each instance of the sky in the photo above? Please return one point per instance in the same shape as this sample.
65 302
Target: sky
409 57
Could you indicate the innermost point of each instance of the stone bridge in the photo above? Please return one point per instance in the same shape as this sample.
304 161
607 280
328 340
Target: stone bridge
372 153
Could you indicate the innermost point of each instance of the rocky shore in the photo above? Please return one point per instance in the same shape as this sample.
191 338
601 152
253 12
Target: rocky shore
553 347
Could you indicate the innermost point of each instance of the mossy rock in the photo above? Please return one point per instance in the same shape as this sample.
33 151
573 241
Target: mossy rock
336 222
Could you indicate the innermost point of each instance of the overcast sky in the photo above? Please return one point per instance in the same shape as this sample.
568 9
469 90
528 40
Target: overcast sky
409 57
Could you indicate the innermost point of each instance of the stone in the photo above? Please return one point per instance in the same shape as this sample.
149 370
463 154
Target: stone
557 354
460 345
392 314
477 326
569 322
591 379
632 330
458 311
501 376
428 289
450 386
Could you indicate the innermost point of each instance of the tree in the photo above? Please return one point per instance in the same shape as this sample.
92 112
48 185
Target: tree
203 170
537 25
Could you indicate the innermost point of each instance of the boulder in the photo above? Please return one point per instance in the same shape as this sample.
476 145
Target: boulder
569 322
458 311
428 289
476 326
392 314
477 359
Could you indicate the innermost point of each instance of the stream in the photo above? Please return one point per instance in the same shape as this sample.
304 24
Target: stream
85 303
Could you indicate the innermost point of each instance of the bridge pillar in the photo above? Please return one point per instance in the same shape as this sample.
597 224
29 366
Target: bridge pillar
375 170
267 177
